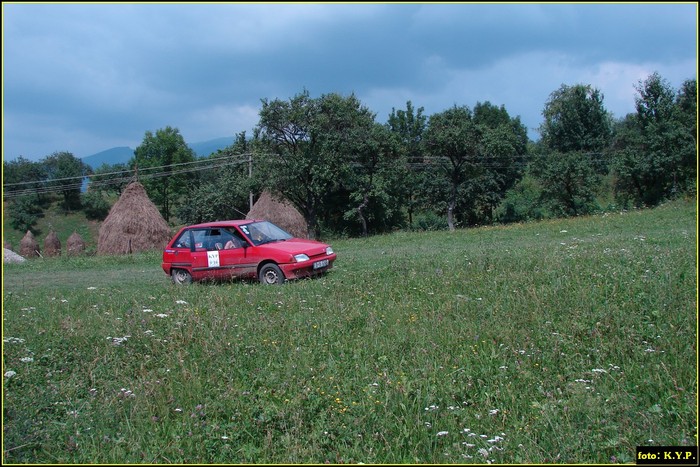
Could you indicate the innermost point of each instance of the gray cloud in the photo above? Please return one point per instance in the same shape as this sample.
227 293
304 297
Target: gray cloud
87 77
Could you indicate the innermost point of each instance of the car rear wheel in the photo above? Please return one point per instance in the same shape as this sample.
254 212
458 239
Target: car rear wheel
271 274
181 277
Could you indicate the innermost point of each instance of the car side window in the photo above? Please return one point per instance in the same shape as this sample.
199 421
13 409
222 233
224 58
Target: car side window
232 239
183 240
200 237
214 240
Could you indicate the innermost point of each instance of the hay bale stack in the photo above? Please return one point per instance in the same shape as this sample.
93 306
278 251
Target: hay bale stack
134 224
279 212
52 245
75 245
28 246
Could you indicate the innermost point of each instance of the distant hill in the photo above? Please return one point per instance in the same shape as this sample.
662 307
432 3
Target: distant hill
119 155
207 148
122 154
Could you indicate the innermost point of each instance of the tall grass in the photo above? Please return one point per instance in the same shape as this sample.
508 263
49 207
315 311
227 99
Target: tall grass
569 341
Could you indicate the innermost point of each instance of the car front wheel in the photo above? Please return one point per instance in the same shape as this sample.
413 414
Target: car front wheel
181 277
271 274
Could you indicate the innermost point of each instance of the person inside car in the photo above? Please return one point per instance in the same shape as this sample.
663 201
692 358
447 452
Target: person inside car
234 242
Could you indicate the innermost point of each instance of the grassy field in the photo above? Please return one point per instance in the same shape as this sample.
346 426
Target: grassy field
569 341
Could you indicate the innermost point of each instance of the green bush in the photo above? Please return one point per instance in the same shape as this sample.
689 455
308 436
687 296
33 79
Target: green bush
95 206
430 221
522 203
24 213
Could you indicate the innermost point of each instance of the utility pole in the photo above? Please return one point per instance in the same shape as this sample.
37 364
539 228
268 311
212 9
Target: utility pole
250 175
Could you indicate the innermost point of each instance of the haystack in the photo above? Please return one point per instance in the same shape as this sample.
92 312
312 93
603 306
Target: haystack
75 245
52 245
280 212
28 246
133 224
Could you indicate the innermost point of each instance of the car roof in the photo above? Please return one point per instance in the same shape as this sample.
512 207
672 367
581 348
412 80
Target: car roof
228 223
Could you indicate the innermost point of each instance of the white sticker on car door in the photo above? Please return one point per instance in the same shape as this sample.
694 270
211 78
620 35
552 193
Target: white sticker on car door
213 259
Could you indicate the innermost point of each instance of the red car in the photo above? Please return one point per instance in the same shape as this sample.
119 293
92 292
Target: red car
241 249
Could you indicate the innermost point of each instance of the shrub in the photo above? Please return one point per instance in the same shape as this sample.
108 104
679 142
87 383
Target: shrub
95 206
24 213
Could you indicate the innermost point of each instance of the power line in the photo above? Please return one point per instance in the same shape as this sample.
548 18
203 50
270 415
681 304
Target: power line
50 186
81 177
46 189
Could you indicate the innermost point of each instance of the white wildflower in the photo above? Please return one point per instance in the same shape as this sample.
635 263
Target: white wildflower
13 340
26 359
182 302
10 374
443 433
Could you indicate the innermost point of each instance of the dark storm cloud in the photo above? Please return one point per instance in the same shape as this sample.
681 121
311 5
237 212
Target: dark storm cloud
87 77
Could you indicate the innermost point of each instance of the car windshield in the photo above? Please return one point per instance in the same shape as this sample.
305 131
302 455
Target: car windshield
264 232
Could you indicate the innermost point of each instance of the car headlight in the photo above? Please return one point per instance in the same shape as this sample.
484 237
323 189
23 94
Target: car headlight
329 250
301 257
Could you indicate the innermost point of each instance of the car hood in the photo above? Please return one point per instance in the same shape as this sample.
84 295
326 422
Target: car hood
295 246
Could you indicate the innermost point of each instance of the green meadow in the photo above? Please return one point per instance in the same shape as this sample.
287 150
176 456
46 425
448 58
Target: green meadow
567 341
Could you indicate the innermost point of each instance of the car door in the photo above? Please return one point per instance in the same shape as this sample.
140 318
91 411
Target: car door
234 255
206 263
179 256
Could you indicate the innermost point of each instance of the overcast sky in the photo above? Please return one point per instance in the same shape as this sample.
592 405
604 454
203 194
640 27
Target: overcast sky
84 78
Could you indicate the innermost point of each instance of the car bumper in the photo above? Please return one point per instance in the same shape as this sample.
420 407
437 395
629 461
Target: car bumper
306 268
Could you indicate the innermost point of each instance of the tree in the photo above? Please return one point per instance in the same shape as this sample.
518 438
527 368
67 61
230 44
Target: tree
24 213
452 140
95 206
23 186
686 118
22 175
111 178
503 147
480 156
575 134
409 125
656 148
568 182
66 172
374 182
311 143
575 119
159 163
220 193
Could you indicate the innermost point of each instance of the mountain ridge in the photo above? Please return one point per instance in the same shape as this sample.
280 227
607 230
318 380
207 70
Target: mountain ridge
122 154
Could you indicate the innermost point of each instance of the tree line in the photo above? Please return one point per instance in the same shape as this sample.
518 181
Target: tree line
350 175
